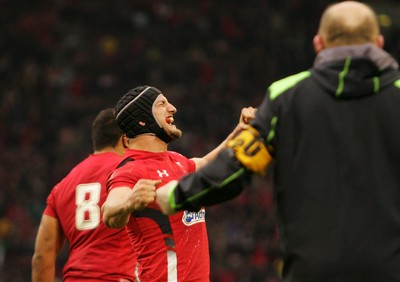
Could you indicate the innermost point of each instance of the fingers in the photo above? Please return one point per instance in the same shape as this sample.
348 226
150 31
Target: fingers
247 114
144 193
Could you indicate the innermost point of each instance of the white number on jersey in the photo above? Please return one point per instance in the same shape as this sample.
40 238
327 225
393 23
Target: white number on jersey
87 214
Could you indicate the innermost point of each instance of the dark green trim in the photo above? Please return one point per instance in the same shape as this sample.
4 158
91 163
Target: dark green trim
280 86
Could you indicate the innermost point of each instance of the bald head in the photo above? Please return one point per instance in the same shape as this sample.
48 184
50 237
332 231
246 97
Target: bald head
348 23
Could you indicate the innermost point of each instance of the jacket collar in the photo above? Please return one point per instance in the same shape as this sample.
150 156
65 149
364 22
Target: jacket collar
377 55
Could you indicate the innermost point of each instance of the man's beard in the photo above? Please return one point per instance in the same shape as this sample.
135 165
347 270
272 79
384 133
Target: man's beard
175 133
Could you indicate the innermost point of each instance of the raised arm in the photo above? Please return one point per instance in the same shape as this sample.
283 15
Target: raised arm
221 179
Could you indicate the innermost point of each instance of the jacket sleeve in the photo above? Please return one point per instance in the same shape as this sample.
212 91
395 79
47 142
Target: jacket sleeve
221 180
230 172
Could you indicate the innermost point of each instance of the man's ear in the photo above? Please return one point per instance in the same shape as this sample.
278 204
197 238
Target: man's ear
125 141
318 43
380 41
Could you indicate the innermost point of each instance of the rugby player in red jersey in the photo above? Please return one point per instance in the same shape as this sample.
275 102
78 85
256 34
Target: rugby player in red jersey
169 248
96 252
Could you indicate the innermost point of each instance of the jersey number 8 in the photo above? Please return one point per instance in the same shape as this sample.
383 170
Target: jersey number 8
87 214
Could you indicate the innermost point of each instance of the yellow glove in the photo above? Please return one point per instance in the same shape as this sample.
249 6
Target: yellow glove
250 150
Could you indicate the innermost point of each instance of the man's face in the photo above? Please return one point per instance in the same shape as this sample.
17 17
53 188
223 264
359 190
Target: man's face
163 112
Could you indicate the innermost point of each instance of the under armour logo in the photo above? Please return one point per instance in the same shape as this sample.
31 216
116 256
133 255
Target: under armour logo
162 173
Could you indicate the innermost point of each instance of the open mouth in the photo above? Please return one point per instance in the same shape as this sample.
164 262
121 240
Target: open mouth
169 119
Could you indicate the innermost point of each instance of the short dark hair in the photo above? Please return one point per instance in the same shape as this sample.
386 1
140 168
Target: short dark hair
105 131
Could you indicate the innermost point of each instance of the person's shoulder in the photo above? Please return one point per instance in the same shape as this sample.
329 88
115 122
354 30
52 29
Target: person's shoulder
176 155
95 163
56 188
108 156
182 161
125 163
102 158
280 86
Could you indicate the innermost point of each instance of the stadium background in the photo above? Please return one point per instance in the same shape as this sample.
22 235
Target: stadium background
61 61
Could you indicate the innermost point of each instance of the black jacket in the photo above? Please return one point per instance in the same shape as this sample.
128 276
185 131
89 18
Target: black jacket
334 132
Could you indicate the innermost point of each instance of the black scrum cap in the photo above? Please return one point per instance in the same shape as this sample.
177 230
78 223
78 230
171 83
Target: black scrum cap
135 107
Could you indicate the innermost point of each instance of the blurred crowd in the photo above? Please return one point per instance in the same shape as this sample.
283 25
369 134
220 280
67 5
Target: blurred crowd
61 61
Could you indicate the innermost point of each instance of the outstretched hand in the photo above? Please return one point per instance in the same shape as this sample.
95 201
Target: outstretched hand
246 115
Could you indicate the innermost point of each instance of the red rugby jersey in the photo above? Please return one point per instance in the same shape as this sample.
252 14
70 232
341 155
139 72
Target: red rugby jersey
95 251
169 248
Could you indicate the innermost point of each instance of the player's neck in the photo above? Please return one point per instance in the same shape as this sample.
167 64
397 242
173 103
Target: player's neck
150 143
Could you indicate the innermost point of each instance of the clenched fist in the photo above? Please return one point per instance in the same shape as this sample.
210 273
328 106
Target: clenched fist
143 193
